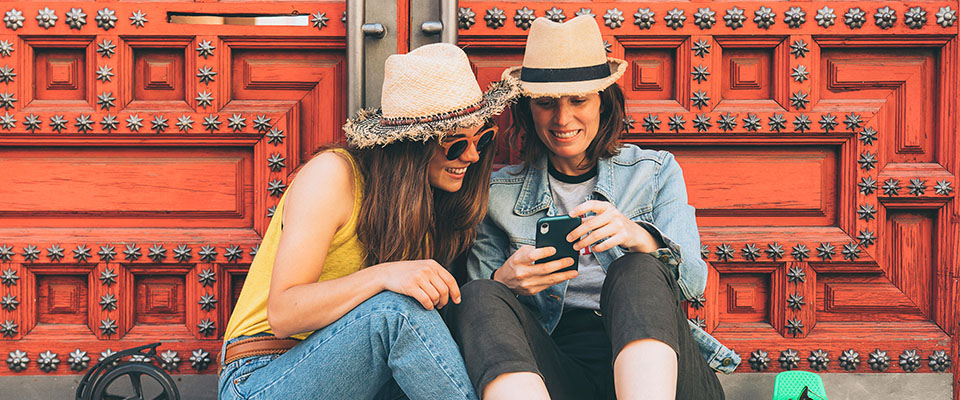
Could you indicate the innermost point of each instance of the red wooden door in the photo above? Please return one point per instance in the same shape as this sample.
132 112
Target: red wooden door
143 155
819 145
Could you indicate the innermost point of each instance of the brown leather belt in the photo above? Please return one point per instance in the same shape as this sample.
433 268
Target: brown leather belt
257 346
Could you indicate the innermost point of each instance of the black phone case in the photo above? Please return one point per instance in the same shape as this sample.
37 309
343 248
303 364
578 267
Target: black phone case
552 232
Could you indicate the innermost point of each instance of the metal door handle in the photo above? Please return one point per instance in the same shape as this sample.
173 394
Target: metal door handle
374 30
432 27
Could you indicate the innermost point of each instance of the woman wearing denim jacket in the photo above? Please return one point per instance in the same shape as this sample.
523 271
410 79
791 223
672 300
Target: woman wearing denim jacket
340 301
615 328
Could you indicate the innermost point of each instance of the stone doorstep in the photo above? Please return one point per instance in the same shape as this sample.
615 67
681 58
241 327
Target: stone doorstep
739 386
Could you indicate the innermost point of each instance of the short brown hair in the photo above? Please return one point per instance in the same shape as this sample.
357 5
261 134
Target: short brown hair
606 144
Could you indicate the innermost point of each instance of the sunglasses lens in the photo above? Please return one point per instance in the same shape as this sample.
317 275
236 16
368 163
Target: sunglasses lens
456 149
485 140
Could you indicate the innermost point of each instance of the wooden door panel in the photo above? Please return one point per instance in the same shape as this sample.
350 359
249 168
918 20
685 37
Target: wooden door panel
820 154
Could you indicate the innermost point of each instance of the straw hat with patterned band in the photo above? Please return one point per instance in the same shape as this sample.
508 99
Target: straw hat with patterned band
427 93
565 59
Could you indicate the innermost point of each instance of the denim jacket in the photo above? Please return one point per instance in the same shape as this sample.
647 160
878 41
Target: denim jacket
646 186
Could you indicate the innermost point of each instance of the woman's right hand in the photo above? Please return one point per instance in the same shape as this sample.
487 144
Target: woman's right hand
425 280
525 278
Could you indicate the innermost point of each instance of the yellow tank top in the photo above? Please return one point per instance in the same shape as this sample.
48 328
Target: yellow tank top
344 258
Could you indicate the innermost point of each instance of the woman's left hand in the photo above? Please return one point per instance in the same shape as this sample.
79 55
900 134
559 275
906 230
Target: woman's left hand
610 224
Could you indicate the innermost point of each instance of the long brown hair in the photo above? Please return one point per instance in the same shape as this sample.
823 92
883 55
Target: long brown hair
523 132
402 217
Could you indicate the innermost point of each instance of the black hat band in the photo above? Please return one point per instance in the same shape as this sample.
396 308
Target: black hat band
576 74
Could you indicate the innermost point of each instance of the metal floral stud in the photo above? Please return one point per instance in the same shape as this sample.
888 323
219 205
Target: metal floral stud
211 123
138 19
867 161
891 187
585 11
879 360
752 123
199 359
825 17
628 122
108 327
644 18
939 361
698 301
799 73
233 253
651 123
855 17
727 122
613 18
159 123
750 252
774 251
108 302
916 17
799 100
910 361
946 17
277 162
9 277
777 122
705 18
207 327
78 360
253 250
849 360
204 99
13 18
170 360
184 123
795 17
107 253
8 328
794 327
799 252
182 253
106 48
799 48
866 237
885 17
9 302
917 186
157 252
700 99
828 122
205 49
206 74
48 361
676 123
108 277
789 359
6 252
704 251
699 322
795 301
107 353
819 360
132 252
702 122
7 121
236 122
31 253
47 18
675 18
7 99
207 277
261 123
724 252
7 74
734 18
801 123
524 18
208 253
76 18
867 185
104 73
866 212
55 252
207 302
701 48
106 100
319 20
17 360
851 251
853 121
134 123
764 17
495 18
556 15
466 18
868 136
943 187
759 360
106 19
700 73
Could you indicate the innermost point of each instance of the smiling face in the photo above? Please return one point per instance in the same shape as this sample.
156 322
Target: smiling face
447 175
566 126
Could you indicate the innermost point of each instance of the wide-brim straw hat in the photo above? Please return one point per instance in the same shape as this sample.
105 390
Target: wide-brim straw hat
427 93
565 59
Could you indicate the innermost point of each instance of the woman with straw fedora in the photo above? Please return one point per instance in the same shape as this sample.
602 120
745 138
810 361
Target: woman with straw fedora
340 301
615 327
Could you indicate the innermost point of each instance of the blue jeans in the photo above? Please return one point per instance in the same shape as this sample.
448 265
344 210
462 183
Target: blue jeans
388 336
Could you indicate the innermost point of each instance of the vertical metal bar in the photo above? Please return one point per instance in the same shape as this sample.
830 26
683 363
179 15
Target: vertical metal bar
354 56
448 16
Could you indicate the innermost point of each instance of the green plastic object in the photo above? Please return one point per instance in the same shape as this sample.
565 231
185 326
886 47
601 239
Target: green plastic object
789 384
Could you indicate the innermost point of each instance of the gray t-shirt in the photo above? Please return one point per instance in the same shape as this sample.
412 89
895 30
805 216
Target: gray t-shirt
584 290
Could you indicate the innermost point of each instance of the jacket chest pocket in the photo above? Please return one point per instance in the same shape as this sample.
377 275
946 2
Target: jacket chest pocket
642 213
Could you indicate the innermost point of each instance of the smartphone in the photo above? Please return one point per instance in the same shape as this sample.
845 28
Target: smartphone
552 232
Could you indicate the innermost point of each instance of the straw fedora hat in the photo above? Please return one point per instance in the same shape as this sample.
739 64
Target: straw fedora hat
427 93
565 59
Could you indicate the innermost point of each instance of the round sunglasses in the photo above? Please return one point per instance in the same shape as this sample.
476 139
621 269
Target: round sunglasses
456 148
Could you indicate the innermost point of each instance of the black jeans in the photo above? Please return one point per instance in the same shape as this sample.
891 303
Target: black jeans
639 300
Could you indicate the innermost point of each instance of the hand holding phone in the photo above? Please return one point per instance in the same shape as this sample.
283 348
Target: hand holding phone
552 232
